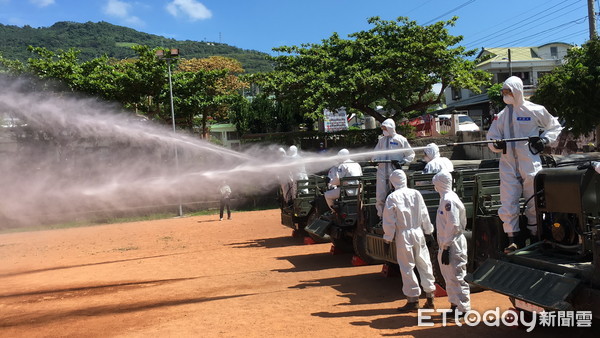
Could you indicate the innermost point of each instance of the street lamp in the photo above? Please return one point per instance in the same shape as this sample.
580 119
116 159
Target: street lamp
169 56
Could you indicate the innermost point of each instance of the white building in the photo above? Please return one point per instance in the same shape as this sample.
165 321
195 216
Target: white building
226 134
528 63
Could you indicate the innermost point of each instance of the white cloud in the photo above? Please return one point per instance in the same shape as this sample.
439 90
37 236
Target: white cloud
190 8
42 3
121 10
117 8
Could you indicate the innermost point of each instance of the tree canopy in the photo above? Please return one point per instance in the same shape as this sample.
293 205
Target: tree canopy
394 64
94 39
572 91
202 88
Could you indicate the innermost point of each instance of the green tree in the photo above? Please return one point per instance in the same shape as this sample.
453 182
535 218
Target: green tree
394 64
263 114
572 91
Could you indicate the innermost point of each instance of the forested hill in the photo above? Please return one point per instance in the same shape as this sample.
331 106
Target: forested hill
97 39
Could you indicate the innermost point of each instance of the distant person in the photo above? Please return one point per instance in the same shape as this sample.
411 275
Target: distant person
225 194
347 168
520 161
435 162
389 141
406 220
322 148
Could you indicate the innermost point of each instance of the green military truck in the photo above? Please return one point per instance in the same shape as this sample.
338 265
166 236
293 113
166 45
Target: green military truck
301 211
478 188
355 220
561 271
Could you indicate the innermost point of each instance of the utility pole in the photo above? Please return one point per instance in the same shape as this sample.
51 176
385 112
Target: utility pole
509 63
592 19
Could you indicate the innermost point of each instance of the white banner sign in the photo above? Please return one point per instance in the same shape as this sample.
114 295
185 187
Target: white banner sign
335 121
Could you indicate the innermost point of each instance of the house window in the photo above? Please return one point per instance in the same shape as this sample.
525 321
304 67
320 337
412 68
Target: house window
456 95
554 52
232 135
216 135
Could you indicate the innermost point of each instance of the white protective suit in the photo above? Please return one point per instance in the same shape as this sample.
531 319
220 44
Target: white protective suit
347 168
450 223
390 141
406 219
298 172
285 179
435 162
519 166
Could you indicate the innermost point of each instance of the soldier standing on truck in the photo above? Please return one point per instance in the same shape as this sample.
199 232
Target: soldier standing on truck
450 222
405 218
520 161
347 168
389 141
299 170
285 179
435 162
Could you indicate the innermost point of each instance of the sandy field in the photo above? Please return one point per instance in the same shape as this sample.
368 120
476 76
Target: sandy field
201 277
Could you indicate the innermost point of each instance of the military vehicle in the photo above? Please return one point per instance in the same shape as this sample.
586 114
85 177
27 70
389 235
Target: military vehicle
476 187
561 271
355 217
300 211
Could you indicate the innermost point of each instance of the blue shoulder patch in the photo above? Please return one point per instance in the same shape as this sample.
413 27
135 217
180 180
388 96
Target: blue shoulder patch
394 143
448 206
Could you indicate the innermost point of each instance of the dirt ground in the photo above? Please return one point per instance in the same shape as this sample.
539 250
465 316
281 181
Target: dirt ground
199 277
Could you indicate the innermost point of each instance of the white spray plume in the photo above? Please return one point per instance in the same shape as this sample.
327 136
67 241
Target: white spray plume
63 157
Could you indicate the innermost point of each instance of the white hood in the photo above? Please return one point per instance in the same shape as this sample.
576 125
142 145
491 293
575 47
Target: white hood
442 182
390 125
431 151
398 179
515 85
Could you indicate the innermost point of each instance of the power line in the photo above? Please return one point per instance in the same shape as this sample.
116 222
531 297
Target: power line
448 12
505 23
548 30
421 5
534 21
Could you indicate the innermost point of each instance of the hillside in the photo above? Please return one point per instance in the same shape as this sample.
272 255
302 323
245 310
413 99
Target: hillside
96 39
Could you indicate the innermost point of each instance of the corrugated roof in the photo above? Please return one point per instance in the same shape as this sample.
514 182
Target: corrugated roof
516 54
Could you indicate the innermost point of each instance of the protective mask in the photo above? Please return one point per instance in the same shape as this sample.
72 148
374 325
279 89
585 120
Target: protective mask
386 133
508 99
426 158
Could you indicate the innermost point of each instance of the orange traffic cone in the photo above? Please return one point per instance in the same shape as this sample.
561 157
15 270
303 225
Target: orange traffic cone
357 261
439 291
309 240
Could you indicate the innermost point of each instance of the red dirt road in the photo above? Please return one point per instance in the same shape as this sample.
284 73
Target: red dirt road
198 277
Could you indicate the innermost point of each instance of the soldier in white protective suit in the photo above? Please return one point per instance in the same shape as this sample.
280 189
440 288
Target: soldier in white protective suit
450 222
298 171
406 219
285 179
390 141
520 161
347 168
435 162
